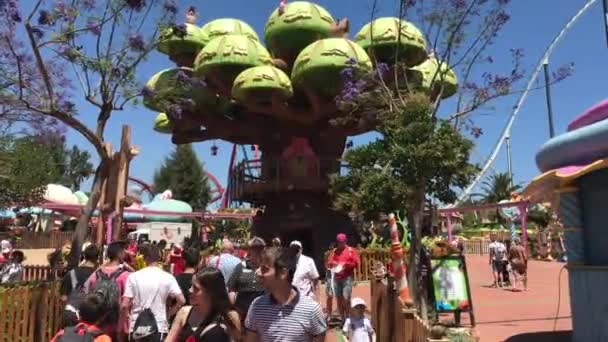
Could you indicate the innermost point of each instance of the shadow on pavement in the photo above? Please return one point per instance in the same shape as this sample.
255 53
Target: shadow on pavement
557 336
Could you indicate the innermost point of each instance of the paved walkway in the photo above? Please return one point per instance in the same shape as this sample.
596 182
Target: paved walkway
503 315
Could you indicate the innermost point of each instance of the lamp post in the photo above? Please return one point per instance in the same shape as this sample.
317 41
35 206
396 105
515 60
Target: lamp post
509 161
605 2
548 96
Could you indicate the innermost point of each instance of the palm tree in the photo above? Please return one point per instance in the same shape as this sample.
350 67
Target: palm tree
498 187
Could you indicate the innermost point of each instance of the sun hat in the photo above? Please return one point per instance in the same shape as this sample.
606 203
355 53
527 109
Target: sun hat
357 301
296 243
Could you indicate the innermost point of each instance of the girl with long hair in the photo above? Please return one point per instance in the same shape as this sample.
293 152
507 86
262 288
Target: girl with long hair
210 317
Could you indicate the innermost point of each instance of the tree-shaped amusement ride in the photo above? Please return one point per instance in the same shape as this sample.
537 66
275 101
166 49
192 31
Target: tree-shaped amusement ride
285 98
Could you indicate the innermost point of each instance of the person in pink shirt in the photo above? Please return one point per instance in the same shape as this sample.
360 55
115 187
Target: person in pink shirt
119 271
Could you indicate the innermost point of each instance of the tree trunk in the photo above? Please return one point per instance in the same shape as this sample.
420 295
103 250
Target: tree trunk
83 221
415 214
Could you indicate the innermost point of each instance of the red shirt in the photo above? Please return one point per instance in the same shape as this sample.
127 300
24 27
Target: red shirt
179 265
81 327
348 257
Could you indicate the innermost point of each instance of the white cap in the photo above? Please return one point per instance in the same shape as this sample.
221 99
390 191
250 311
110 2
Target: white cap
5 244
357 301
296 243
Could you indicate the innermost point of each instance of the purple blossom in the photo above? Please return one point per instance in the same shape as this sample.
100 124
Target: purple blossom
88 4
68 52
64 11
476 132
11 9
458 4
136 5
347 74
175 111
94 26
44 18
381 69
182 78
563 72
517 53
170 6
38 33
136 42
67 106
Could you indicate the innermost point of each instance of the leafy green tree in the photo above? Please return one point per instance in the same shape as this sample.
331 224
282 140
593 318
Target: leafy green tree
31 162
498 187
184 174
26 169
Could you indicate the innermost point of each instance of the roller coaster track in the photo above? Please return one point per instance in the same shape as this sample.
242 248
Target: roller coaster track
507 129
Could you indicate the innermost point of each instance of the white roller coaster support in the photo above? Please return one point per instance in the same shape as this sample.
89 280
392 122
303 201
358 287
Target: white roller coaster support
507 130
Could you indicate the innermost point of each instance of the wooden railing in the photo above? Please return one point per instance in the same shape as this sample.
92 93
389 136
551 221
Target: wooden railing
391 320
251 179
41 273
369 257
30 312
34 240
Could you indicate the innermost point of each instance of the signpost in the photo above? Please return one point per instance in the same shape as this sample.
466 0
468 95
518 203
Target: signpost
450 286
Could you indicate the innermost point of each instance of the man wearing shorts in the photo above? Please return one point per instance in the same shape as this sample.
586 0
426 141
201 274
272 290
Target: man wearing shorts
343 261
497 252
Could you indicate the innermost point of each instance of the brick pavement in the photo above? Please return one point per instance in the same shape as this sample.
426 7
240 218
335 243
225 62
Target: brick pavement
503 315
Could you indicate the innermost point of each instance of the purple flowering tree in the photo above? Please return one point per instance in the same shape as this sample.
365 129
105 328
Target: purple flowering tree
423 155
54 51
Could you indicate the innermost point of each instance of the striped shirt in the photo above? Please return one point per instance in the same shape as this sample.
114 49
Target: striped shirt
298 321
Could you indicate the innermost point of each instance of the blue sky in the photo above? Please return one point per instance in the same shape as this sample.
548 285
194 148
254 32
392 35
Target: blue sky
532 26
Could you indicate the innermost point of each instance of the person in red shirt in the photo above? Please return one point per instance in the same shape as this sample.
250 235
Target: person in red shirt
343 260
176 260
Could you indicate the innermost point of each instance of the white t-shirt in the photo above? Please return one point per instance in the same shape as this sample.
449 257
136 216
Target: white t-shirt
305 275
151 287
498 250
358 329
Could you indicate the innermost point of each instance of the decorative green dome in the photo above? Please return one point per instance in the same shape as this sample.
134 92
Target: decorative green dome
422 75
383 42
162 124
227 26
229 56
319 65
301 24
261 82
175 86
173 41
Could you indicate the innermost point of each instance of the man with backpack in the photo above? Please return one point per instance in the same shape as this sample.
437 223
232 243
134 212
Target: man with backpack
72 285
92 313
145 299
110 280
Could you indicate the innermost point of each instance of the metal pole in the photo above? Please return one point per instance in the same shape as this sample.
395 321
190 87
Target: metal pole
605 2
509 161
548 92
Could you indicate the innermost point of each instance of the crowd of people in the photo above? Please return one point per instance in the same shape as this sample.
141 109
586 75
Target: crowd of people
148 292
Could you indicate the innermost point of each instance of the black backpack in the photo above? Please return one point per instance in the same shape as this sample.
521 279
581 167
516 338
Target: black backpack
79 333
107 288
145 325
